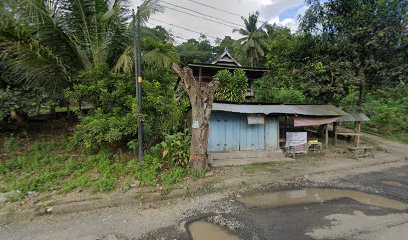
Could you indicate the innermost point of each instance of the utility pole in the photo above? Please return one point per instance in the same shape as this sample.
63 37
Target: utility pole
138 80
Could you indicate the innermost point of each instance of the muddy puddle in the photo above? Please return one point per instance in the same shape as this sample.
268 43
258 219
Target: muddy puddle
317 195
202 230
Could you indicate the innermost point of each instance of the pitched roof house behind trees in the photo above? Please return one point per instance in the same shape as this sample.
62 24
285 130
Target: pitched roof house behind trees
206 71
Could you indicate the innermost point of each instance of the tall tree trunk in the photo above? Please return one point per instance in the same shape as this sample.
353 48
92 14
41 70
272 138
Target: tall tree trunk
53 112
201 96
361 76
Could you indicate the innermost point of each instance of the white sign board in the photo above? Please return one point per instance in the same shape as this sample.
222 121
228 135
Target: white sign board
195 124
296 138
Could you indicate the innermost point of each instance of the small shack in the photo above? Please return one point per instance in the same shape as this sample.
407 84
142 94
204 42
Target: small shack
357 118
252 130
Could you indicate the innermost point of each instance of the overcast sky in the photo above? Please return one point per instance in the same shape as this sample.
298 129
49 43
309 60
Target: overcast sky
283 12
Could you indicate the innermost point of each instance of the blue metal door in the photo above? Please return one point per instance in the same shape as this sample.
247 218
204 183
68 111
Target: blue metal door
231 132
223 133
251 136
272 133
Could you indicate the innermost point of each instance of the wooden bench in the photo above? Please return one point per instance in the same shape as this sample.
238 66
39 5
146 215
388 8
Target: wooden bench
362 151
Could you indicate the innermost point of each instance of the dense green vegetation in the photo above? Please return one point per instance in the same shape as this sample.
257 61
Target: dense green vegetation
78 55
233 86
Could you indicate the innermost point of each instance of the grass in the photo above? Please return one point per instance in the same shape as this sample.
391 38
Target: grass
51 165
260 167
400 137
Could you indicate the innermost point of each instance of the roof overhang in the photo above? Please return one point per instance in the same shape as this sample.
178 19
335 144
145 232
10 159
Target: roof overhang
220 66
289 109
354 117
210 70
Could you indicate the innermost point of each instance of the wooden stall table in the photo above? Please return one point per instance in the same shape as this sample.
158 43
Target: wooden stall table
362 151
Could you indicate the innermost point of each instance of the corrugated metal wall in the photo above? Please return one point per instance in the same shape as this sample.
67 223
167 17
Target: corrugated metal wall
231 132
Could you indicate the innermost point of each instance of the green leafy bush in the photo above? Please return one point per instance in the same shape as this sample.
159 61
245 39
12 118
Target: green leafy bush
176 148
18 100
288 95
268 89
388 112
233 87
114 119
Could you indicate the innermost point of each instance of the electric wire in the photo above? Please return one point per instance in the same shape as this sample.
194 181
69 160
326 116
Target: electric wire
154 25
219 9
187 13
194 11
187 29
222 10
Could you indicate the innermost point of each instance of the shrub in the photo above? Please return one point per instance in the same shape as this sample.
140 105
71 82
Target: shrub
176 148
388 112
288 95
114 119
233 87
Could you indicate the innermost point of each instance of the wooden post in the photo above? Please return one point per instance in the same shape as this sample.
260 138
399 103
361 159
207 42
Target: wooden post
334 133
357 129
327 135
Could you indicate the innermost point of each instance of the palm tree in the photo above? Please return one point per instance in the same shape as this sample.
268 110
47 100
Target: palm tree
254 39
156 54
46 42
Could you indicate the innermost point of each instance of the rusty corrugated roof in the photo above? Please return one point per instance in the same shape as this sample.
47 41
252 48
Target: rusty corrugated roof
307 110
353 117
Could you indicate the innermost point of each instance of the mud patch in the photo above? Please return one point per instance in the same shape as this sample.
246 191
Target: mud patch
317 195
363 227
202 230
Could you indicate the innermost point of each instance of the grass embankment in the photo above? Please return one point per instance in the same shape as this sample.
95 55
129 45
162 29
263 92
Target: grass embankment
52 165
388 112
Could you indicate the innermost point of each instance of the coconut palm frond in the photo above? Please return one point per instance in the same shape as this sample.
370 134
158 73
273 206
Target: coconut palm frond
148 8
125 62
254 38
259 49
33 64
156 59
48 26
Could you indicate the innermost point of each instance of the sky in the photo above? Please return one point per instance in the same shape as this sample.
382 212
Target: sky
282 12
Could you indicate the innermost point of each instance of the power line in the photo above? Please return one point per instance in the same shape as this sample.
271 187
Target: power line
154 25
211 20
219 9
222 10
188 9
190 30
182 38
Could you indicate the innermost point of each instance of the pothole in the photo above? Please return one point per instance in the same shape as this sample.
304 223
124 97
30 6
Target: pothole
317 195
202 230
